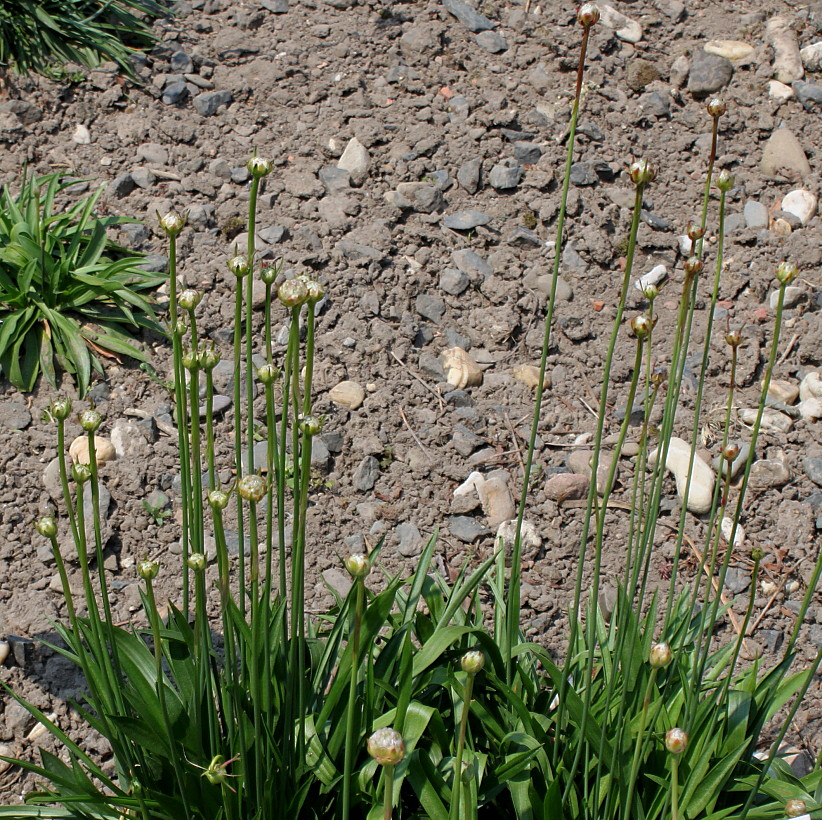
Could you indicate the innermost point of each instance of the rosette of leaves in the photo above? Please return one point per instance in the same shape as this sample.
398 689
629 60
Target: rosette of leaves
68 293
40 35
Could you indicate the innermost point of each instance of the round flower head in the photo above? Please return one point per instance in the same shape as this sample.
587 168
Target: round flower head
147 570
172 223
472 661
47 526
695 232
676 741
733 338
238 265
357 565
693 266
786 272
259 167
641 326
268 373
181 328
293 292
269 273
189 299
90 420
218 500
191 360
730 451
725 181
641 172
650 292
81 473
197 561
315 290
209 357
587 15
61 408
757 553
716 107
795 808
251 487
386 746
311 425
660 656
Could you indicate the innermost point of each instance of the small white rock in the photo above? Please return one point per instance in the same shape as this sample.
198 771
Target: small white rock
624 27
528 537
811 386
767 587
347 394
729 49
701 490
784 391
787 63
356 160
812 56
727 526
685 243
6 751
811 409
471 485
40 729
4 651
772 420
779 91
103 450
81 135
496 499
654 276
679 71
793 295
800 203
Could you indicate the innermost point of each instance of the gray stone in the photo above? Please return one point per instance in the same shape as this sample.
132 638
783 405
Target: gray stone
122 185
319 454
527 153
468 16
430 307
582 173
655 104
366 474
431 366
813 467
523 238
471 263
465 220
181 63
809 94
454 282
18 719
14 414
466 529
334 179
771 639
28 113
410 541
709 73
765 474
419 196
275 6
207 103
784 153
469 174
143 177
465 441
175 92
756 215
492 42
272 234
339 581
154 153
158 500
737 580
441 178
505 175
423 39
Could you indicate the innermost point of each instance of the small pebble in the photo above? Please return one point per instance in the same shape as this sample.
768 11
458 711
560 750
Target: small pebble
787 63
812 56
811 386
800 203
653 277
566 487
784 152
779 91
784 391
624 27
729 49
701 489
772 420
347 394
103 450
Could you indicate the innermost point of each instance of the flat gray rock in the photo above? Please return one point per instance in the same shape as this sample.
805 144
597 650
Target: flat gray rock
468 16
14 415
465 220
708 73
207 103
492 42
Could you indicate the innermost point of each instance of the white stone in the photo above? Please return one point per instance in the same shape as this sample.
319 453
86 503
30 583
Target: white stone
727 526
729 49
471 485
701 491
772 420
356 160
812 56
800 203
624 27
684 242
496 499
529 537
81 135
779 91
347 394
784 391
811 386
793 295
811 409
787 63
654 276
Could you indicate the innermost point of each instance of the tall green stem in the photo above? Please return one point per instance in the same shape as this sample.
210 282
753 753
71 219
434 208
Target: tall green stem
351 721
454 811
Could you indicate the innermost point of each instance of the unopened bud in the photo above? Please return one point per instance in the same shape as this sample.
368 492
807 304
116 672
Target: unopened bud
386 746
660 656
147 570
252 487
191 360
61 408
641 172
197 561
472 661
733 338
315 290
659 376
588 15
269 273
786 272
795 807
47 526
311 425
693 266
716 107
218 500
238 265
757 553
357 565
81 473
189 299
730 451
181 328
695 232
172 223
293 292
268 373
209 357
725 180
676 741
259 167
90 420
650 292
641 326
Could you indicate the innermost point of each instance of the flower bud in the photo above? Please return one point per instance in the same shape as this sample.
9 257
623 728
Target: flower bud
587 15
641 326
47 526
660 656
676 741
172 223
191 360
147 570
693 266
269 273
472 661
81 473
259 167
218 499
311 425
695 232
786 272
268 373
733 338
659 376
757 553
641 172
650 292
293 292
90 420
315 291
386 746
357 565
209 357
725 181
197 561
730 451
252 487
189 299
61 408
180 327
795 808
239 266
716 107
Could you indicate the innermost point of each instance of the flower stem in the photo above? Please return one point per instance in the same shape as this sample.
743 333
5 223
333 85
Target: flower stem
351 716
454 811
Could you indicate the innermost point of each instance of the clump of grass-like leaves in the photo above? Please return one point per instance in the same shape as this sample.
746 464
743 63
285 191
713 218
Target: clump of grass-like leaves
68 293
